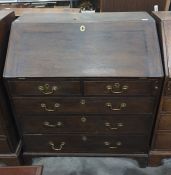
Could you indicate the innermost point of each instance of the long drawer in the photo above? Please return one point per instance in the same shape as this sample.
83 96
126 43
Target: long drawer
4 146
44 88
93 124
85 144
37 105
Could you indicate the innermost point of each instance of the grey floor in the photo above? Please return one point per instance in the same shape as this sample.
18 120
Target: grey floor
98 166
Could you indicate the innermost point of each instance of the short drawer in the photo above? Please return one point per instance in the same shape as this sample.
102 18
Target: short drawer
83 105
121 87
4 146
93 124
165 122
166 107
44 88
163 141
85 144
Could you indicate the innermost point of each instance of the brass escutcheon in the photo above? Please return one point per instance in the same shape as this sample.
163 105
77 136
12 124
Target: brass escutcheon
82 28
117 88
117 126
57 125
83 119
45 89
121 106
83 102
117 145
56 105
53 147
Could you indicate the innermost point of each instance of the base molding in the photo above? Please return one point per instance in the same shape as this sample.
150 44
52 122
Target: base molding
142 159
156 157
13 159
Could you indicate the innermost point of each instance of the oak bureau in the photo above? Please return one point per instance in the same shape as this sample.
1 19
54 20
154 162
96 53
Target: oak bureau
9 140
161 147
84 85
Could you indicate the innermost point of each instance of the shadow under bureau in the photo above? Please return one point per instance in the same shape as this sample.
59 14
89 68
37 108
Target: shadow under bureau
84 85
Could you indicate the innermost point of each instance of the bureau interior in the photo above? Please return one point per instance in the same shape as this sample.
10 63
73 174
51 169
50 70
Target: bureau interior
84 84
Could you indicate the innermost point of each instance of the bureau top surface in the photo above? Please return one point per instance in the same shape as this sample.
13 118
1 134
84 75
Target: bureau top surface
163 15
84 45
164 20
4 13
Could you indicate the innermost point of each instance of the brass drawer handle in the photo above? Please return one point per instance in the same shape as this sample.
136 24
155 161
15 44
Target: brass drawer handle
56 105
118 125
57 125
45 89
118 144
122 105
116 88
52 145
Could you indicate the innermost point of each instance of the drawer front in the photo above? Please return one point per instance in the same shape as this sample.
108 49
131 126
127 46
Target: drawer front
95 124
165 122
113 88
4 147
166 105
44 88
163 141
85 144
87 105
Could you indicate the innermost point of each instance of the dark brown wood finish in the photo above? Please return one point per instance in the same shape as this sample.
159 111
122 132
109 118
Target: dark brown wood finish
13 159
4 146
161 147
9 139
97 87
132 5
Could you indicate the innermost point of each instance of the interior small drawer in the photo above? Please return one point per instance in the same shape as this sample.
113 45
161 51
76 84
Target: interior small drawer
122 87
44 88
